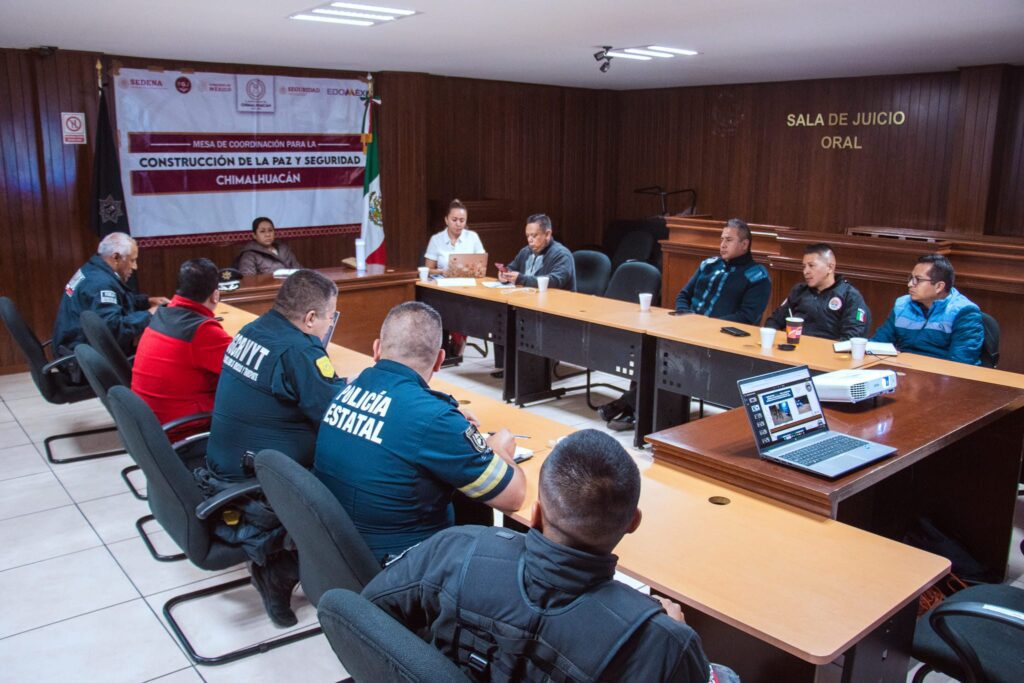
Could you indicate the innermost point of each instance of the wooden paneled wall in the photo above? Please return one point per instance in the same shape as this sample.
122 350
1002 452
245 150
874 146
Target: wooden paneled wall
575 154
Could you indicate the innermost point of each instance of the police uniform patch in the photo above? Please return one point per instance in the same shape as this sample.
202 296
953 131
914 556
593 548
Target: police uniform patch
323 364
108 296
835 303
476 439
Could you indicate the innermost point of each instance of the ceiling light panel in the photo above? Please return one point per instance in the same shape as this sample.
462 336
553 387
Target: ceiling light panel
626 55
353 14
673 50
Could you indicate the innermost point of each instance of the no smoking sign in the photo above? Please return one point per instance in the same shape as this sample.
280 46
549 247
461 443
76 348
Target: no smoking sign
72 126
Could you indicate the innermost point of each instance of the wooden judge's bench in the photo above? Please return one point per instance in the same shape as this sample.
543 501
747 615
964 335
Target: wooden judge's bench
877 260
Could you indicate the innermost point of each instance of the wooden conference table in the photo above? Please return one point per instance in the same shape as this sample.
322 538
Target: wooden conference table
364 298
776 592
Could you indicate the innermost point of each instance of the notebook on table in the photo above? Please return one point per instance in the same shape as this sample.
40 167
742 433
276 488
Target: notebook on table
790 428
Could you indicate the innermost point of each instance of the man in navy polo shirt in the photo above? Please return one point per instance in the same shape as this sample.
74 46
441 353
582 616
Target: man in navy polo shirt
393 451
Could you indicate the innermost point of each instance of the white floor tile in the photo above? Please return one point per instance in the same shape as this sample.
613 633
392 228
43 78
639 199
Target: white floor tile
17 461
151 576
114 517
42 535
189 675
53 590
17 386
124 643
91 479
11 434
5 414
31 493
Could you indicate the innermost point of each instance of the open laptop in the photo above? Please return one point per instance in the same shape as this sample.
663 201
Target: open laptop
789 426
467 265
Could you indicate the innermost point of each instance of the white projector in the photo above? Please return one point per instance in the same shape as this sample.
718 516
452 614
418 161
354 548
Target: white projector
852 386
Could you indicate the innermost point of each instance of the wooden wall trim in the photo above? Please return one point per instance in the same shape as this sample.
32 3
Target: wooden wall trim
977 152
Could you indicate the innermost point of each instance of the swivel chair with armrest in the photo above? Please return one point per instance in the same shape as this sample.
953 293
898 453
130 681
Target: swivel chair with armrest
53 379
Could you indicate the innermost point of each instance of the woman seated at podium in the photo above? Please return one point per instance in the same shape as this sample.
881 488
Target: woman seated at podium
263 254
456 238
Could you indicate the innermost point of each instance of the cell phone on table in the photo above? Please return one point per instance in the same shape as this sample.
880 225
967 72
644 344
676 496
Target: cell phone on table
735 331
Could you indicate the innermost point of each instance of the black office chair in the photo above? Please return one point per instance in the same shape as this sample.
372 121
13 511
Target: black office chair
52 380
332 553
177 503
632 279
593 270
635 246
974 636
374 648
990 347
102 339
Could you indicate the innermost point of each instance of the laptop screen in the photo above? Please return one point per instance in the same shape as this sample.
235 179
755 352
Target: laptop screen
782 406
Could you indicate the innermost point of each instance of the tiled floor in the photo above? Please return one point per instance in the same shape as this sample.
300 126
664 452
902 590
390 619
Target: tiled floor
81 597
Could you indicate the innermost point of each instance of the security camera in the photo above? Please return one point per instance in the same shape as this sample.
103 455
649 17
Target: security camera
602 54
604 67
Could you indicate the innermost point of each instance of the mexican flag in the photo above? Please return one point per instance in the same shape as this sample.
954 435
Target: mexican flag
373 217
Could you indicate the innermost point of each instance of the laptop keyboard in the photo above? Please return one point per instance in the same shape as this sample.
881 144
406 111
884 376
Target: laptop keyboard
823 450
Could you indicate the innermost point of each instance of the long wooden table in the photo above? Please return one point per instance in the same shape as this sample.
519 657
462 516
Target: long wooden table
957 442
364 298
772 589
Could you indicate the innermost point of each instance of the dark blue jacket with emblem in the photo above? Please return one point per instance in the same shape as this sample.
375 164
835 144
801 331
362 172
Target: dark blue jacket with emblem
96 287
393 450
274 386
838 312
735 290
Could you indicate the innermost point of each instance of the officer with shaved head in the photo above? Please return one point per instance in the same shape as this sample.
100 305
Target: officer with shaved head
394 451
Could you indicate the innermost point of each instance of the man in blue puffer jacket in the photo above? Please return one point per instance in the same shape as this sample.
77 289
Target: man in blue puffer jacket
935 319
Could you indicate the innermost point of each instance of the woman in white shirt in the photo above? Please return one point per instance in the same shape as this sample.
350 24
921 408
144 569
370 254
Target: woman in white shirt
456 238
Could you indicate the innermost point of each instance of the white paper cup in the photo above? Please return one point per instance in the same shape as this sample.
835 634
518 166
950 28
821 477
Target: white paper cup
542 283
645 301
424 273
767 338
857 347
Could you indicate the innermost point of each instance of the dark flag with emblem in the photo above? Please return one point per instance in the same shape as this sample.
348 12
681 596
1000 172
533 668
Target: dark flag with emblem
108 214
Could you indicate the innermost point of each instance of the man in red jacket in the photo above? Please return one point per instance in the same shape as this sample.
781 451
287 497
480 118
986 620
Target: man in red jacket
179 357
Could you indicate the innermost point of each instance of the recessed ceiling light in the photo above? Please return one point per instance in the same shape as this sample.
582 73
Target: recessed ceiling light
374 8
330 20
354 15
648 53
673 50
626 55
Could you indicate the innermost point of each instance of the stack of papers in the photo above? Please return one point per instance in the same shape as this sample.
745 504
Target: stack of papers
494 284
873 348
284 272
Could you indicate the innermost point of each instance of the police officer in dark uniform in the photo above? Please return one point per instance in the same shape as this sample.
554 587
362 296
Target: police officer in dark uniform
731 286
100 286
393 451
830 306
274 386
545 605
277 379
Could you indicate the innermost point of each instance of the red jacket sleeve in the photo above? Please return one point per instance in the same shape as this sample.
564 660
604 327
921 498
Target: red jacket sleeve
208 346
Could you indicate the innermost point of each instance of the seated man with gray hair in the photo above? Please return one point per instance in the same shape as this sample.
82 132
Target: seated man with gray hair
101 286
394 451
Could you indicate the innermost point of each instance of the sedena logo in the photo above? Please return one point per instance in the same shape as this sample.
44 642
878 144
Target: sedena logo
183 85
